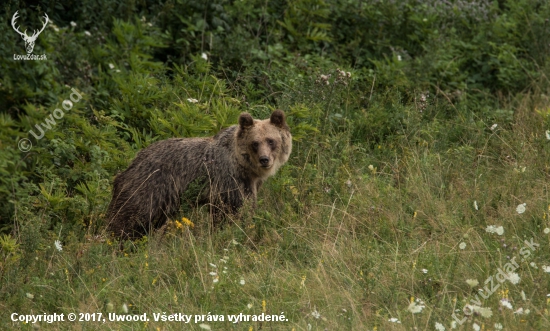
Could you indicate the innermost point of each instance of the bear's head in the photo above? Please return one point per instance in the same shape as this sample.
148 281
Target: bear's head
263 146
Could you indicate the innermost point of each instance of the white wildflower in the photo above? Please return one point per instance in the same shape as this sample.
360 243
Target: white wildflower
416 307
546 230
453 324
213 265
242 282
476 327
315 314
425 271
398 57
498 326
493 127
73 24
204 56
521 208
472 282
58 245
523 297
111 66
205 326
475 205
193 101
534 265
547 134
520 311
215 280
125 308
394 320
506 303
546 268
249 306
213 273
87 33
462 245
494 229
30 296
485 312
439 326
514 278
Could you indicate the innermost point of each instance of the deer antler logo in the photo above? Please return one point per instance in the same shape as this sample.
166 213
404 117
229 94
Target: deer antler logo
29 41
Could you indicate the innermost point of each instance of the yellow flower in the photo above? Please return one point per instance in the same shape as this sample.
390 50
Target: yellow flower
187 222
263 306
504 293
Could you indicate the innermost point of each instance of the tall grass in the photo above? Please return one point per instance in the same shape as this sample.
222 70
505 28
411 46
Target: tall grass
344 238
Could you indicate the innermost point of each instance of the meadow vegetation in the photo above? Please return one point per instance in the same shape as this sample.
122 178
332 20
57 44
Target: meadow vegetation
420 165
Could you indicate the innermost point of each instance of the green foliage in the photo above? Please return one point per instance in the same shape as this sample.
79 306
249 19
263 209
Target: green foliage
416 125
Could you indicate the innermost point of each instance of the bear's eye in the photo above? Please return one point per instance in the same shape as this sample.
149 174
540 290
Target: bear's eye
270 142
255 145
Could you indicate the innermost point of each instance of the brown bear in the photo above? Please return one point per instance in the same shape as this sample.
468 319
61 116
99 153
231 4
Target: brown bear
229 167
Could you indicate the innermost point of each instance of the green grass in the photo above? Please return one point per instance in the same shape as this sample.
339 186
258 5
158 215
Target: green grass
337 245
396 174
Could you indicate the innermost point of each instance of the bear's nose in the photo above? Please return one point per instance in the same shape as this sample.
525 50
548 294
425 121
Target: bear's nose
264 161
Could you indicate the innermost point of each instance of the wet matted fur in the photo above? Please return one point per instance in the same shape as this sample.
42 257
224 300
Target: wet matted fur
229 167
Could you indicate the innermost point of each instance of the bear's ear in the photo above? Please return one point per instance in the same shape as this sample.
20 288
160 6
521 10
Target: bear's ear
246 121
278 119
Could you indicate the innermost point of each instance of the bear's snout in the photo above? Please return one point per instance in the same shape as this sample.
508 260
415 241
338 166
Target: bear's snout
264 161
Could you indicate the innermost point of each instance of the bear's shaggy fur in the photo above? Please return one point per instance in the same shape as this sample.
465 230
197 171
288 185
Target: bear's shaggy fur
230 167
